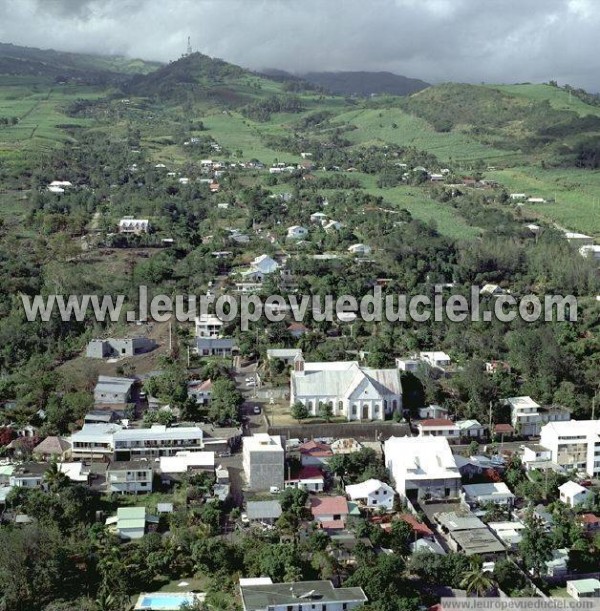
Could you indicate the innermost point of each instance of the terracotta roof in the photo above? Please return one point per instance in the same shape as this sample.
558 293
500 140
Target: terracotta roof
334 524
315 448
437 422
328 505
297 326
418 527
310 472
589 518
503 428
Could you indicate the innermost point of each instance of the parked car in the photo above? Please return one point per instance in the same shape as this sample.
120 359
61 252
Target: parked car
274 490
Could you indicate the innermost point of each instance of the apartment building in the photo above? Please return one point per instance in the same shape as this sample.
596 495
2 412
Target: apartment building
263 460
574 445
129 477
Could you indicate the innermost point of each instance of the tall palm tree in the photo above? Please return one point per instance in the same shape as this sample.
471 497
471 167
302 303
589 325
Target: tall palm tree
478 582
55 478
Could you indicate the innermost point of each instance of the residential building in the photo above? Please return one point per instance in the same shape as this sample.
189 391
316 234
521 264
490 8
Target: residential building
360 249
573 494
216 346
129 476
510 533
111 347
261 594
438 427
470 428
590 523
130 225
158 440
261 267
208 326
174 468
578 239
265 512
296 232
410 365
373 494
263 461
310 479
352 391
534 455
314 453
287 355
467 534
574 444
130 522
433 412
346 445
52 448
200 391
329 511
436 359
94 441
583 588
591 251
558 565
422 467
525 416
28 475
113 390
497 493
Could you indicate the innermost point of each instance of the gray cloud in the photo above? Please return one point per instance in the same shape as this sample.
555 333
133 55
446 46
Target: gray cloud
437 40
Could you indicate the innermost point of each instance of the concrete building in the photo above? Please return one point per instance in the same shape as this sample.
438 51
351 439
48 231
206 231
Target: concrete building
106 348
497 492
583 588
130 225
422 467
264 461
525 416
113 390
156 441
261 594
573 494
216 346
208 326
174 468
265 512
129 477
574 444
438 427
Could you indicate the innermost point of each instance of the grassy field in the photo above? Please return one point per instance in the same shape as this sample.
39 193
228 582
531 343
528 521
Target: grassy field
38 107
558 98
377 126
577 195
447 219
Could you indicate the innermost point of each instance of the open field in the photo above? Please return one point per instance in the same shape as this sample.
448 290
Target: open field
558 98
377 126
577 195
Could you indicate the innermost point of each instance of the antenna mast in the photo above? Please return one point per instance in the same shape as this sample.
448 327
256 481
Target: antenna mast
189 46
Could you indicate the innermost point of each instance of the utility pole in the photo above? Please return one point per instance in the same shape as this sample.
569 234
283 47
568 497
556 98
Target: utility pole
170 338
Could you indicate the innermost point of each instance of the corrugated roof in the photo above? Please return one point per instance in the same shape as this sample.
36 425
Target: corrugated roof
263 510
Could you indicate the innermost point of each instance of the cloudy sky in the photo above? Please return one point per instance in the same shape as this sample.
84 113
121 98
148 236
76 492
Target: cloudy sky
436 40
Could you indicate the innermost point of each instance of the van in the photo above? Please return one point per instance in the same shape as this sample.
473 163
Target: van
274 490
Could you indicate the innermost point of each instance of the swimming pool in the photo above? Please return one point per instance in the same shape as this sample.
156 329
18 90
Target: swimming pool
163 601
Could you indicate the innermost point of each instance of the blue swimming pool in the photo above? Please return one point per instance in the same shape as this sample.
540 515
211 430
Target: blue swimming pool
164 602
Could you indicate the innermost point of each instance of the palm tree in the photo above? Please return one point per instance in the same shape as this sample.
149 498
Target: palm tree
478 582
55 478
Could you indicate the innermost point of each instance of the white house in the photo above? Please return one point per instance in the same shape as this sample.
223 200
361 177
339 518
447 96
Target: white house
131 225
129 477
574 444
470 428
263 459
360 249
591 251
525 417
200 391
438 427
572 494
422 467
373 494
411 365
208 325
318 217
309 478
433 411
436 359
261 594
259 268
578 239
332 225
296 232
496 492
583 588
358 393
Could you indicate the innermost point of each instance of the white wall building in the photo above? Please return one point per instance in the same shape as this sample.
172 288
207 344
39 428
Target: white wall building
572 493
525 416
422 467
574 444
358 393
373 493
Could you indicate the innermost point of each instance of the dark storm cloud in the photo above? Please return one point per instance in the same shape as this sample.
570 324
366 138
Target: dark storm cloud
437 40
